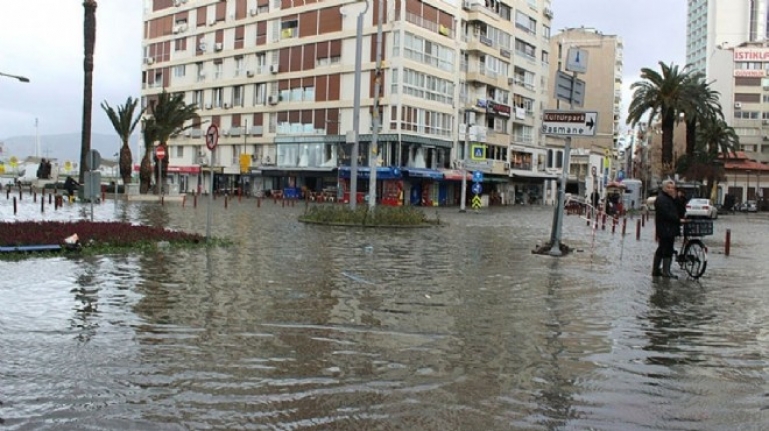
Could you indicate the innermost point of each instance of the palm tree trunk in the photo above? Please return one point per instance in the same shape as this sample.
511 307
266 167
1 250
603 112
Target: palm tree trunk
145 174
89 40
126 162
668 124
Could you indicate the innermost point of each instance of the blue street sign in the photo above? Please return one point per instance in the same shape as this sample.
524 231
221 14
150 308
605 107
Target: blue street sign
477 189
477 176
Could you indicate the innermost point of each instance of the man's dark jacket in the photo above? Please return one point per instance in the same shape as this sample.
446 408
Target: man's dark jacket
666 218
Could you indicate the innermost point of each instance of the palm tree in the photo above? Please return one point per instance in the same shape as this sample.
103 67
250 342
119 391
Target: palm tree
124 123
145 169
700 105
168 115
715 141
89 40
660 94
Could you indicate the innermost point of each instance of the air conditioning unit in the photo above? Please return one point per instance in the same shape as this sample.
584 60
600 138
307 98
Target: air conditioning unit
177 29
737 105
467 5
218 46
510 81
548 13
202 46
225 133
177 3
187 133
212 22
227 106
253 11
250 73
149 60
202 75
765 122
272 100
274 68
507 166
208 106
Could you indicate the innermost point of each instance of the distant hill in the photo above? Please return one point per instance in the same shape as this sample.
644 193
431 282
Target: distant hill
62 147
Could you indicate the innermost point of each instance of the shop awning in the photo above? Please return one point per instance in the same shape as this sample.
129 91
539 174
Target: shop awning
518 173
382 172
431 174
455 174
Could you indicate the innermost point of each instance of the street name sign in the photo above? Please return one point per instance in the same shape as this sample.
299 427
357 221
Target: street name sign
569 123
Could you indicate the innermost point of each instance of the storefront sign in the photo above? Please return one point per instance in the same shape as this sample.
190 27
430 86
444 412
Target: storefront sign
749 73
751 54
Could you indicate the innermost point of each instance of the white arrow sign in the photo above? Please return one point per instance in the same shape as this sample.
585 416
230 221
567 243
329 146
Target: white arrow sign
569 123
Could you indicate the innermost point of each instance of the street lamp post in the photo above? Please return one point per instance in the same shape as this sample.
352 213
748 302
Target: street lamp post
356 109
463 192
747 188
20 78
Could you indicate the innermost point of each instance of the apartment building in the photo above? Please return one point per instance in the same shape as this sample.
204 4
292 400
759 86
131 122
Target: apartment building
603 94
713 24
277 78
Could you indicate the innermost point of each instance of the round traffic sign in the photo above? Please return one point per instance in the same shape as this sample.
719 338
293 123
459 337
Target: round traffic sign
160 153
212 137
477 189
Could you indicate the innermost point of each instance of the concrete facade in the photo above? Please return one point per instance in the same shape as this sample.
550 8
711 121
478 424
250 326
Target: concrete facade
277 77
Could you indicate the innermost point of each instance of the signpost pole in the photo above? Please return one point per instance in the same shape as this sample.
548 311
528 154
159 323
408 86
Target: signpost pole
555 250
90 179
212 138
463 191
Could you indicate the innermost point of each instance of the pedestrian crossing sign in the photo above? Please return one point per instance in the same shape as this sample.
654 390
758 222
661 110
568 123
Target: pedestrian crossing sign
478 152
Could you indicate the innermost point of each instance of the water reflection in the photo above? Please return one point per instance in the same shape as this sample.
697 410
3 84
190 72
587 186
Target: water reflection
307 327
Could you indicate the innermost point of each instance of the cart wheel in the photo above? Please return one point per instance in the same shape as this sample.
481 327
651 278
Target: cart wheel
695 258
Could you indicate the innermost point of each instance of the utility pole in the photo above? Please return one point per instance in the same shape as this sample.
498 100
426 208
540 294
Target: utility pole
356 110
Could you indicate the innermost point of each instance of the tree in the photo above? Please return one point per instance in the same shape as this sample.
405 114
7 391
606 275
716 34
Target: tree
169 112
89 40
715 141
700 105
660 95
145 168
124 122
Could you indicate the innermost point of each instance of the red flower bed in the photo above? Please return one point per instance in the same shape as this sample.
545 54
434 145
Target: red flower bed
114 234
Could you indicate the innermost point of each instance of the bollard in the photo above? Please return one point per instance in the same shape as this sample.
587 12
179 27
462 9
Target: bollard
603 221
613 224
162 200
184 200
14 205
638 230
50 196
225 201
19 193
282 202
624 226
34 197
42 205
104 195
258 202
728 242
643 219
194 201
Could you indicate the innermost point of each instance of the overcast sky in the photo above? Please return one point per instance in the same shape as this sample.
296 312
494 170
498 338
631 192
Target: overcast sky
43 40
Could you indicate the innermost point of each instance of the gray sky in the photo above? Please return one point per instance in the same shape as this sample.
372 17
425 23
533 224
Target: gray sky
43 40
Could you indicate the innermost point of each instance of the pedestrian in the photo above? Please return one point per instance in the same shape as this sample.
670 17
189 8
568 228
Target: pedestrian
668 224
70 185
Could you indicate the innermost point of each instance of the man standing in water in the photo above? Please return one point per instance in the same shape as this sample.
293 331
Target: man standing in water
668 226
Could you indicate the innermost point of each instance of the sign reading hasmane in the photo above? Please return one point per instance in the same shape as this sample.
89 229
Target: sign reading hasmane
575 117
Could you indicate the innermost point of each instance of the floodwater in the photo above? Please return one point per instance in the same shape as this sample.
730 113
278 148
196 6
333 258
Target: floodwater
299 327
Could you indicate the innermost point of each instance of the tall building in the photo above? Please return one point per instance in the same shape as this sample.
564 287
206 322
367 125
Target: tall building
603 94
278 78
714 24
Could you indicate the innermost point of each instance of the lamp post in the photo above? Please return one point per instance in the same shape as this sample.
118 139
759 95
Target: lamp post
463 192
356 109
20 78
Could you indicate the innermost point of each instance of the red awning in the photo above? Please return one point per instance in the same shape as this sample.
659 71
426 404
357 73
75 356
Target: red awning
455 174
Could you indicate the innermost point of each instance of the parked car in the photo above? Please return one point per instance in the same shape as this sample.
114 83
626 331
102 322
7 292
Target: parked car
701 208
748 206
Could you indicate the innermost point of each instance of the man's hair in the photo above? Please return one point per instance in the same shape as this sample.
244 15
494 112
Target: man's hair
666 182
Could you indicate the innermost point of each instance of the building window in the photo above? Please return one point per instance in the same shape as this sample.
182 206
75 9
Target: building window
217 70
239 66
237 95
525 49
260 94
197 98
179 71
289 29
217 97
201 72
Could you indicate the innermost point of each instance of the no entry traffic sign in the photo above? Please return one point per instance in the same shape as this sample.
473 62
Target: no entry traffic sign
160 153
212 137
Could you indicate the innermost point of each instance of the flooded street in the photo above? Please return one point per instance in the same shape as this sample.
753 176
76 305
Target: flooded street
460 327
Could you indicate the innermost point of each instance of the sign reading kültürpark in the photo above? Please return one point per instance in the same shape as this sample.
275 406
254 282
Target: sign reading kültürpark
569 123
